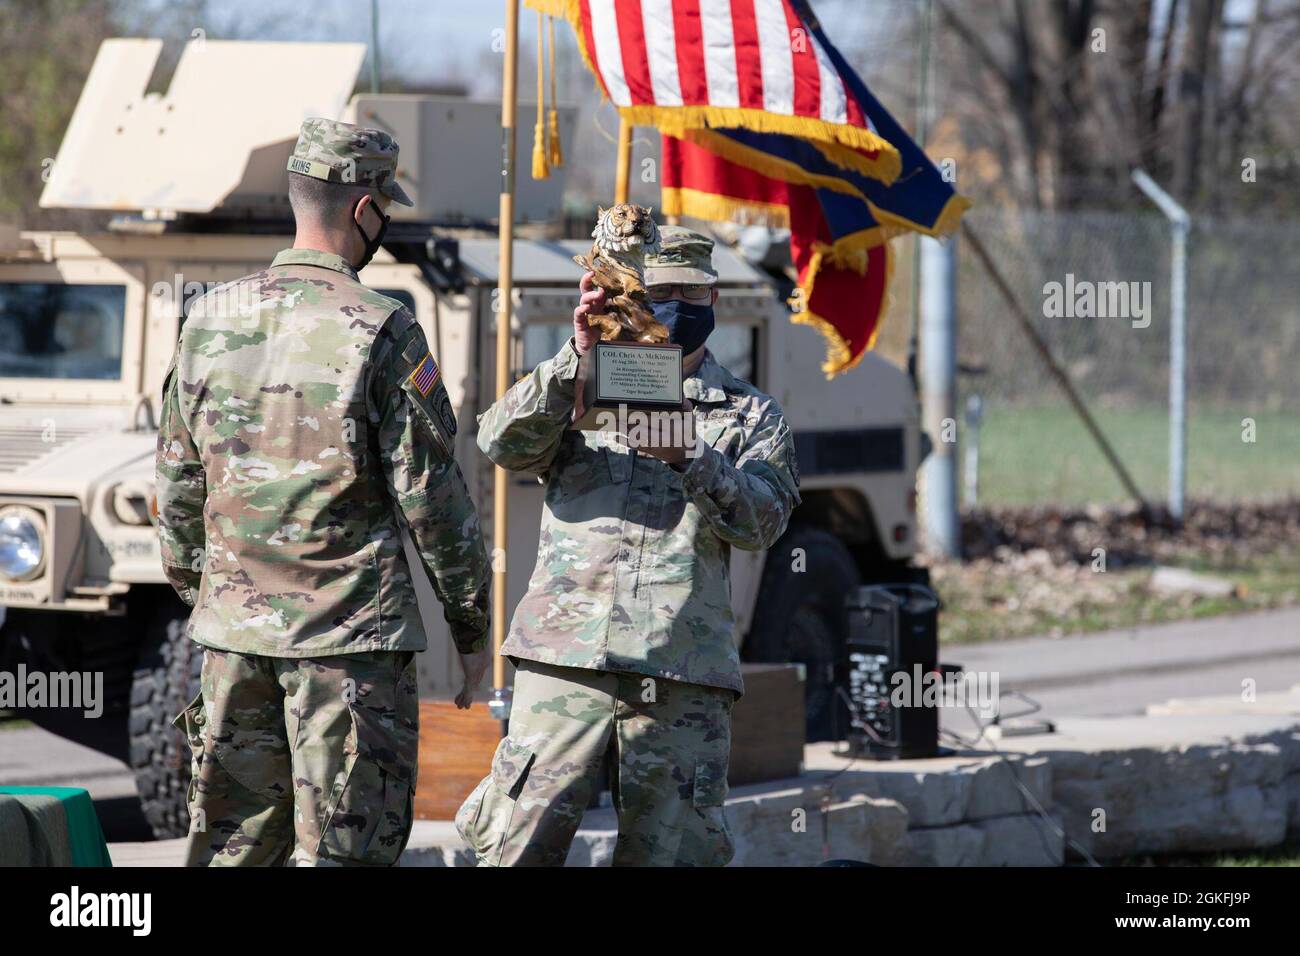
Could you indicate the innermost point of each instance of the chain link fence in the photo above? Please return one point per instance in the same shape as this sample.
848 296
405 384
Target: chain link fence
1097 286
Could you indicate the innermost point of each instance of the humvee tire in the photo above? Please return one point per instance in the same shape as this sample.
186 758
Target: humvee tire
799 617
166 680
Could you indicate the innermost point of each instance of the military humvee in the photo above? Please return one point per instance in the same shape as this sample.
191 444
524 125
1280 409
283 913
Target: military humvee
88 324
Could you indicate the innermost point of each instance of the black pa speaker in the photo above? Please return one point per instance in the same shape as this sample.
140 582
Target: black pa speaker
892 643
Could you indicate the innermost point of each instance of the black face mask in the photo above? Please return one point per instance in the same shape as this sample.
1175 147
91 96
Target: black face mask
688 324
372 245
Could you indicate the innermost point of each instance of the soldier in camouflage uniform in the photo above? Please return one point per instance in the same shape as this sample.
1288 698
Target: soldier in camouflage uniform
624 642
305 431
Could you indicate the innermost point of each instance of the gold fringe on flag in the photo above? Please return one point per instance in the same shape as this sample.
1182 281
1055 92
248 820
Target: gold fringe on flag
776 168
555 155
839 358
684 201
540 170
849 252
883 163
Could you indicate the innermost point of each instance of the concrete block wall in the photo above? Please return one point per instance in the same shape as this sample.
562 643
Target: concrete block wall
1189 776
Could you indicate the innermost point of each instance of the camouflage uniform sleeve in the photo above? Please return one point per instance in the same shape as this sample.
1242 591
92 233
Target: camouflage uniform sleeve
416 436
748 504
523 428
182 489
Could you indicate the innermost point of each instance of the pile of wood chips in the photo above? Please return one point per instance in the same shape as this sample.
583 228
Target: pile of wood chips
1046 570
1210 530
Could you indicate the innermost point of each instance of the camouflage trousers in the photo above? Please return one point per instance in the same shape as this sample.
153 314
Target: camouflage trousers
302 762
668 744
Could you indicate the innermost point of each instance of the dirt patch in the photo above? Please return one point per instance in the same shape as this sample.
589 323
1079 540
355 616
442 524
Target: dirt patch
1071 536
1055 571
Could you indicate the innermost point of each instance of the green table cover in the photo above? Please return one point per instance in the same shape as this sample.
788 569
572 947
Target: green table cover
50 826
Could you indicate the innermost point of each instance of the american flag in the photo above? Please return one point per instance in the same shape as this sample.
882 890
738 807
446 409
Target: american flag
750 64
840 220
425 375
764 120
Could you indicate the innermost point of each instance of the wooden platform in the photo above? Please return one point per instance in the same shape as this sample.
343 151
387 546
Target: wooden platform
767 734
456 748
767 726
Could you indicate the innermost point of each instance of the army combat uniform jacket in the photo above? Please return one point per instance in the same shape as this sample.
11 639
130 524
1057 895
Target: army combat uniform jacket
304 425
632 563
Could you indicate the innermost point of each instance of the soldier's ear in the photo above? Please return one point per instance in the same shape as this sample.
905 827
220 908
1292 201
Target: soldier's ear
359 210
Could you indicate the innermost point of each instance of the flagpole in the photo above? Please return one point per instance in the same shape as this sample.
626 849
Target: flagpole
623 171
500 705
922 131
374 46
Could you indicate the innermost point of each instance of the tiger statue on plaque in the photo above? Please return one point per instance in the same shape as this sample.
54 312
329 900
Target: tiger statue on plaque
624 234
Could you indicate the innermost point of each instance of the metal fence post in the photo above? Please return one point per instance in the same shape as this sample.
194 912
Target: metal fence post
971 466
1178 372
939 395
1179 223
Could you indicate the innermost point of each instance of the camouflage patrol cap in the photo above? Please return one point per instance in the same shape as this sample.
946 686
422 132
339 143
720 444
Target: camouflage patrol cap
354 155
683 257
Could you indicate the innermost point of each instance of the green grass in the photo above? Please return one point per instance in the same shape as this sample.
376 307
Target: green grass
1045 455
1285 854
9 722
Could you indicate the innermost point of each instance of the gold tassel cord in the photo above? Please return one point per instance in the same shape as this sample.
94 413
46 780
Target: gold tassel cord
555 154
540 169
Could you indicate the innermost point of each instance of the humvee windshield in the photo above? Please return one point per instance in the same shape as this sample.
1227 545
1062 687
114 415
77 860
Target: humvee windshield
52 330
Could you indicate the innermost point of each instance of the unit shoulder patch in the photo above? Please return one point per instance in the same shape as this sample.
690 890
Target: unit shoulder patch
443 405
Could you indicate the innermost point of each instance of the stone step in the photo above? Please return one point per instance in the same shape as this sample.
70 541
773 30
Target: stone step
1199 776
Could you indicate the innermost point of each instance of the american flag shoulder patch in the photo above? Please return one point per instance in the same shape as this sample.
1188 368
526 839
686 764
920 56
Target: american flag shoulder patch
425 376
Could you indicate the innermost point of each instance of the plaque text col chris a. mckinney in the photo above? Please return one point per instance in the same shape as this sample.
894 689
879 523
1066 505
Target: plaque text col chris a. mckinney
638 374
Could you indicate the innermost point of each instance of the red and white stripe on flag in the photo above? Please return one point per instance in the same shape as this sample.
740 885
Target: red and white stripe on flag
689 64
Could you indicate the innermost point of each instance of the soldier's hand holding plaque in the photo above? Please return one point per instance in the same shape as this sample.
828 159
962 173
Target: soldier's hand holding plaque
632 367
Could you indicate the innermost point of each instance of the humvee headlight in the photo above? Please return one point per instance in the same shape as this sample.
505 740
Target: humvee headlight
22 548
